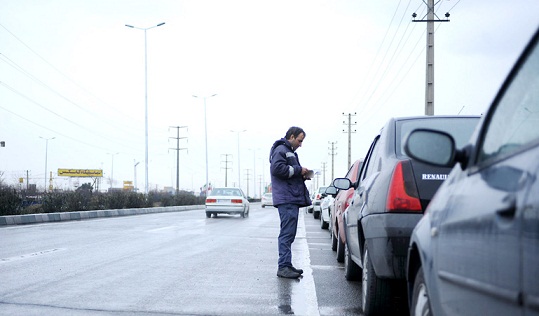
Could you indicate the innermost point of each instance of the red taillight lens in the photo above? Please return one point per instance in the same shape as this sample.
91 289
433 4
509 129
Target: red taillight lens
403 195
236 201
211 200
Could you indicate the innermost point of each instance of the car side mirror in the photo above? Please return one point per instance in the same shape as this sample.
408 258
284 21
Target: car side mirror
331 190
342 183
431 147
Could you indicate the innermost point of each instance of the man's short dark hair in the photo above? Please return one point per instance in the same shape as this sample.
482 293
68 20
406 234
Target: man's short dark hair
294 130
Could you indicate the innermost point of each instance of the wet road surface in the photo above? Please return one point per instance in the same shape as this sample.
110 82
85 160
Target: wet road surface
178 263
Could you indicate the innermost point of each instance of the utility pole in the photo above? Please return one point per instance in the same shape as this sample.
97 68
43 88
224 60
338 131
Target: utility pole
431 17
247 179
226 168
177 149
332 153
349 135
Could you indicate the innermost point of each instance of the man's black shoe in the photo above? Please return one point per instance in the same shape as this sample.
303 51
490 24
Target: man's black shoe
288 273
300 271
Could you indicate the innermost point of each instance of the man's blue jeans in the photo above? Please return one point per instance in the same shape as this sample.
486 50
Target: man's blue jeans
289 224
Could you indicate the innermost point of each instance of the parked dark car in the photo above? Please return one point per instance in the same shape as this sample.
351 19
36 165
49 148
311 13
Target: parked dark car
390 195
342 199
476 250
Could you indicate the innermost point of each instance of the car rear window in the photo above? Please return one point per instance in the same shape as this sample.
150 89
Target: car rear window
461 128
225 192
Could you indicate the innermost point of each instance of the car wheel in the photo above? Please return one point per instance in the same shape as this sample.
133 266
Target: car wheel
351 269
420 296
333 241
316 214
208 214
242 214
375 292
340 249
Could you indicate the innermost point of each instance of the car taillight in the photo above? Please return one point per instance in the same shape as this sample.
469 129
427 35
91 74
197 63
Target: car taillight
403 194
211 200
236 201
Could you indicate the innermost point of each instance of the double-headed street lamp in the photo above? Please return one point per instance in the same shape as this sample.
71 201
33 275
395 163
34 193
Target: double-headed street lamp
46 154
146 95
254 170
206 136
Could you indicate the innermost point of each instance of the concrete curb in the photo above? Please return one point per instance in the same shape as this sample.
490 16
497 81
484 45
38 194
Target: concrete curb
69 216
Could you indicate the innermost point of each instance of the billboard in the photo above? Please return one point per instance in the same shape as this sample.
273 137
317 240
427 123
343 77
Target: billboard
94 173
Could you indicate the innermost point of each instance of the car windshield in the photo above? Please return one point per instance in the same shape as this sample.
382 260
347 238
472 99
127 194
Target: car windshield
461 128
225 192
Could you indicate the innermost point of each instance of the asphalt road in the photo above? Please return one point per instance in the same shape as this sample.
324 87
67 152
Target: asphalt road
178 263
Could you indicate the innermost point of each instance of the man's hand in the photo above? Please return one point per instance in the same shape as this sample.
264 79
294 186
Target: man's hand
306 173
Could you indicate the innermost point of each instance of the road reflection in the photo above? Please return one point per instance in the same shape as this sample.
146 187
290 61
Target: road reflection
285 288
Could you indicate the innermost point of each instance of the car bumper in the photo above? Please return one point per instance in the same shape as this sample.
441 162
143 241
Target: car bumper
388 237
225 209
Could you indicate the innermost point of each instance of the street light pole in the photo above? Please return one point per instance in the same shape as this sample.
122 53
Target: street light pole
206 137
145 97
239 174
135 175
254 170
46 155
112 169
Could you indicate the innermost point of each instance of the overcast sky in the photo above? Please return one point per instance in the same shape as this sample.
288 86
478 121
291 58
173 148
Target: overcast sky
72 70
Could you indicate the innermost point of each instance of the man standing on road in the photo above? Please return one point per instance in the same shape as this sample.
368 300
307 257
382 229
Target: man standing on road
289 194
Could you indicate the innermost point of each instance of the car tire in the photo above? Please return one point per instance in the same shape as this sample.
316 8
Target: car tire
351 270
208 214
420 296
316 214
242 214
375 292
263 205
340 249
333 241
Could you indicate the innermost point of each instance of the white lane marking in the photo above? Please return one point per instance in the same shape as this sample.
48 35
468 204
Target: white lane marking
303 293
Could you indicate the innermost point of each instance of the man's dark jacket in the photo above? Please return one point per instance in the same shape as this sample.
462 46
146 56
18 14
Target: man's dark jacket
287 183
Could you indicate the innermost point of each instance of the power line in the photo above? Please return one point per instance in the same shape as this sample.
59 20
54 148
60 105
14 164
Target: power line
107 106
17 67
76 124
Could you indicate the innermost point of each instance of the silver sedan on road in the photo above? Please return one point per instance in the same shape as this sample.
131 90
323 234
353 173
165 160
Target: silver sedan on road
227 201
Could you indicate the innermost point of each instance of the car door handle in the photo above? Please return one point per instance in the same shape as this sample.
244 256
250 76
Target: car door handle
510 210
